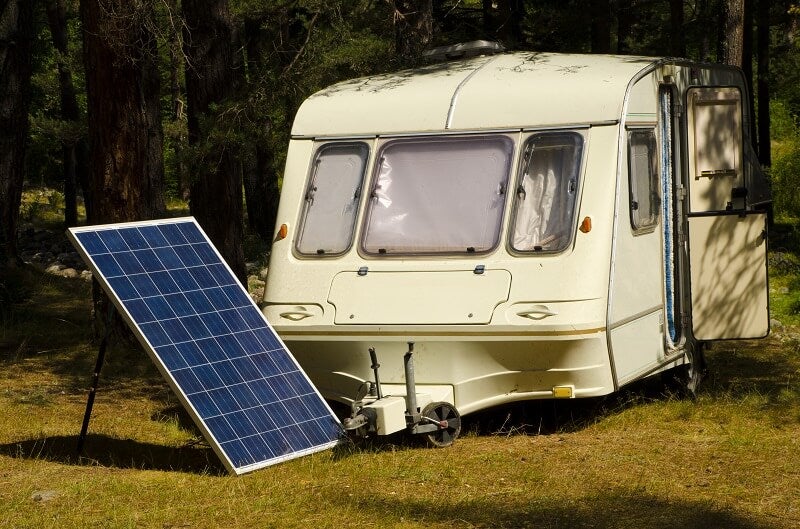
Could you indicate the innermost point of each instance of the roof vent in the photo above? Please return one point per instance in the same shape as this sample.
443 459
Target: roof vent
463 50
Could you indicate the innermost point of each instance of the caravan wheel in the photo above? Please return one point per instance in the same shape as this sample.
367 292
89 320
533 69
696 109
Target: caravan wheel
445 414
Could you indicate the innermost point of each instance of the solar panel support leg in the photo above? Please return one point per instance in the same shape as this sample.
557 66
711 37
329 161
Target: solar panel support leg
101 356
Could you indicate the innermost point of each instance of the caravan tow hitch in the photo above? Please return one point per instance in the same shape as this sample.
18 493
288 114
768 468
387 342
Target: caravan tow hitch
374 413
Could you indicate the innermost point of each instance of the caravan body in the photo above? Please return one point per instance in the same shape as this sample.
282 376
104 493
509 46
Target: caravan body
536 225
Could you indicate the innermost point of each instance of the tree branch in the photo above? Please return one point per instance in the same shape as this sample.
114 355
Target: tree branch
303 47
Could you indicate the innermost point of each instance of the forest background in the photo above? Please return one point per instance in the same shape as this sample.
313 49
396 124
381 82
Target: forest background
121 106
115 110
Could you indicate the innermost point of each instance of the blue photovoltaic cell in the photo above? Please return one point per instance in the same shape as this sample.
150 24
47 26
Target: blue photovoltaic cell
244 389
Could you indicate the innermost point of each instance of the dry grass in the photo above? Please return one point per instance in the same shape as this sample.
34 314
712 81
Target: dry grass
639 459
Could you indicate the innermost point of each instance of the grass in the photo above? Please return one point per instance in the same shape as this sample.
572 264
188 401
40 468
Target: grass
730 459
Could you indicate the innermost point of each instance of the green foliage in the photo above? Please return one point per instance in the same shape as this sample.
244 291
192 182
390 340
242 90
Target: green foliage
782 123
291 49
42 205
47 129
175 135
786 161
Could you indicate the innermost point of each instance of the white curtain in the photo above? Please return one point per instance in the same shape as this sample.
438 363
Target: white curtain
332 199
546 194
439 195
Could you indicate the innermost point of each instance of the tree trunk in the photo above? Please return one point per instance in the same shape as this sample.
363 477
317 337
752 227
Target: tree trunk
413 28
213 74
677 42
624 26
176 93
738 44
73 149
260 178
125 136
261 193
747 62
502 21
705 21
764 146
733 43
16 36
600 11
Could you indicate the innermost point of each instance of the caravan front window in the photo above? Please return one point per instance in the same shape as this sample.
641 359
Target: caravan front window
547 193
331 200
438 195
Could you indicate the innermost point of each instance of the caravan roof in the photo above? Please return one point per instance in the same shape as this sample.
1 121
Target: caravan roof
492 92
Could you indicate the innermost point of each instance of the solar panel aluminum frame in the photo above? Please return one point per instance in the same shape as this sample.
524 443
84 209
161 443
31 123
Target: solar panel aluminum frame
73 233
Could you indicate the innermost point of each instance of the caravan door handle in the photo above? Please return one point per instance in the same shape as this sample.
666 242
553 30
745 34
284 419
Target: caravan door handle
537 312
296 315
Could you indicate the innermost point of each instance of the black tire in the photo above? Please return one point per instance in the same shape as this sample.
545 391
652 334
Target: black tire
439 412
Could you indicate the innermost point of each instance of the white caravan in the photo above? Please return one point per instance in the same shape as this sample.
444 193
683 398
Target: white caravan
516 226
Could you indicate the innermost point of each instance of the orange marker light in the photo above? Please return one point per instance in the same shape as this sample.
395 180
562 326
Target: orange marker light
282 232
586 225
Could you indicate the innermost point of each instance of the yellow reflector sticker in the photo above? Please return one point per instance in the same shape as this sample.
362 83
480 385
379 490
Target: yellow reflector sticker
562 392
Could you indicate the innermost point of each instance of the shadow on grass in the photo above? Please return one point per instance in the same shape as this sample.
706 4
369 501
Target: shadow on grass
108 451
613 509
738 368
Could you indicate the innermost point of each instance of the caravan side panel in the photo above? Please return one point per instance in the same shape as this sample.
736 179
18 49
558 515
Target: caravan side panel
636 297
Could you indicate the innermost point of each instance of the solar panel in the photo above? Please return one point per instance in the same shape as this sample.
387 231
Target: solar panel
233 374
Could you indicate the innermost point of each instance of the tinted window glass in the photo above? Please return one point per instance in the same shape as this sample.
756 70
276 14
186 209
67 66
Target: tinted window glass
645 198
332 199
546 193
443 195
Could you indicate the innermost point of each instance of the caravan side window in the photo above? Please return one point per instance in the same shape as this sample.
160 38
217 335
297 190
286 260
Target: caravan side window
546 193
645 196
331 200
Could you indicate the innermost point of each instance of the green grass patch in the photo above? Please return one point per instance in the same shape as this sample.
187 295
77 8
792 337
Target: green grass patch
784 267
640 458
44 206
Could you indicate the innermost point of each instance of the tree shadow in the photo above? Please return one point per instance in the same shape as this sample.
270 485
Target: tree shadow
128 372
107 451
740 366
612 509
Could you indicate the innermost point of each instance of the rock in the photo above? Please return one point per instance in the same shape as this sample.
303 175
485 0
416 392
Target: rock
44 495
86 275
55 269
70 273
262 274
775 324
250 267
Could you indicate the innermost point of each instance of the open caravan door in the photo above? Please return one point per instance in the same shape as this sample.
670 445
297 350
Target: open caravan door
727 236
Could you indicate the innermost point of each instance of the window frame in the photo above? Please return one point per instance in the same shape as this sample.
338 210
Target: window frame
311 178
506 137
580 135
695 96
655 179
